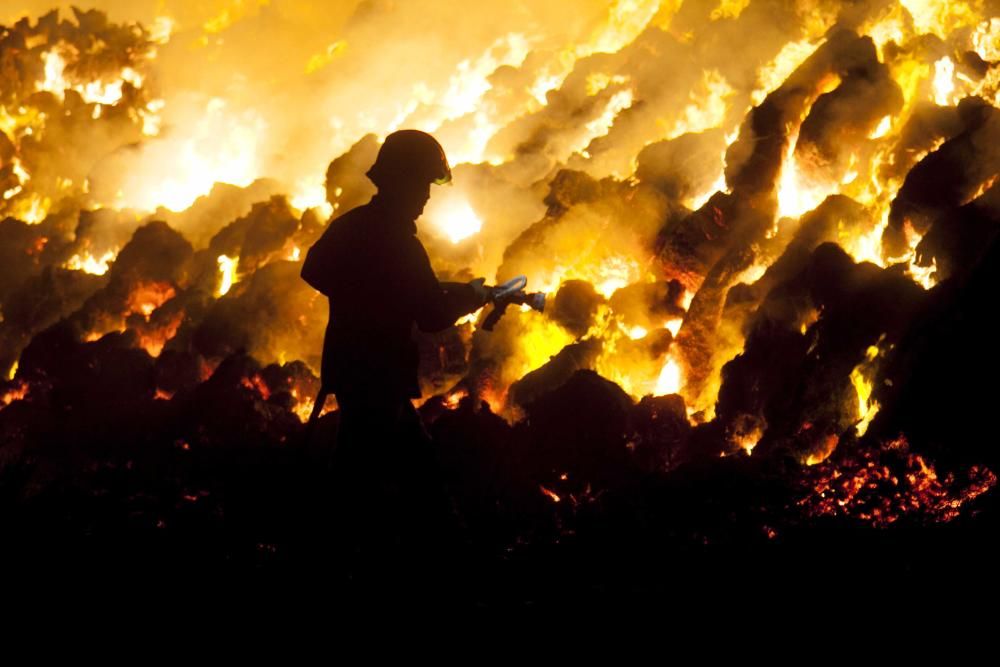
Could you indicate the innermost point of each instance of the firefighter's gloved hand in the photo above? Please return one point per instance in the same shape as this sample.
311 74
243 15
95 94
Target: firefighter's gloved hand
482 292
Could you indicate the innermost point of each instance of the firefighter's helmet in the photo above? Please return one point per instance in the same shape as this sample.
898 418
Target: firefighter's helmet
410 156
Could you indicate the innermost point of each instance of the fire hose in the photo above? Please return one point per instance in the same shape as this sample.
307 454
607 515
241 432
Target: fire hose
510 293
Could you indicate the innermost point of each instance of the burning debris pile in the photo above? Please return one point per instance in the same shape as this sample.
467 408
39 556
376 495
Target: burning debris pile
774 267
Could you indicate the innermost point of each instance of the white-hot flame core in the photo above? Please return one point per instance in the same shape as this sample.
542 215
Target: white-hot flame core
227 273
669 381
456 220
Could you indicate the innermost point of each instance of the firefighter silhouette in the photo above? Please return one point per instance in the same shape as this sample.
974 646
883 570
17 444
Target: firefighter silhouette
380 285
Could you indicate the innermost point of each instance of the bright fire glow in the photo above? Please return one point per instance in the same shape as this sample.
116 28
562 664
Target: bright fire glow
220 146
797 194
457 220
944 81
637 332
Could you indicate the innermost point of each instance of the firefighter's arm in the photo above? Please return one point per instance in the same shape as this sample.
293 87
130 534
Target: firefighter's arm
438 305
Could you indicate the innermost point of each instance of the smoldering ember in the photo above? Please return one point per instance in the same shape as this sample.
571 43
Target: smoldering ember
766 231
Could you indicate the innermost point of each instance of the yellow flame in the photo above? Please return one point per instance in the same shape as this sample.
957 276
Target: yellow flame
867 408
320 60
747 441
598 81
161 29
13 370
708 105
311 193
233 11
221 147
599 126
626 19
32 209
303 409
796 193
542 85
772 75
940 17
540 339
106 92
944 81
882 129
729 9
87 263
986 39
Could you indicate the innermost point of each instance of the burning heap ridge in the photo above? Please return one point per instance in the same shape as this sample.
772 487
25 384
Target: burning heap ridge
780 262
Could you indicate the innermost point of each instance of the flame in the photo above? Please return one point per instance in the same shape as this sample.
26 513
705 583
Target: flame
600 125
614 274
256 384
747 441
16 393
452 400
320 60
637 332
669 381
940 17
304 405
311 193
729 9
539 341
882 129
607 273
220 146
457 220
944 81
551 494
154 341
222 139
13 370
626 19
771 76
867 408
22 178
303 409
827 447
227 273
708 106
598 81
100 92
87 263
147 297
542 85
